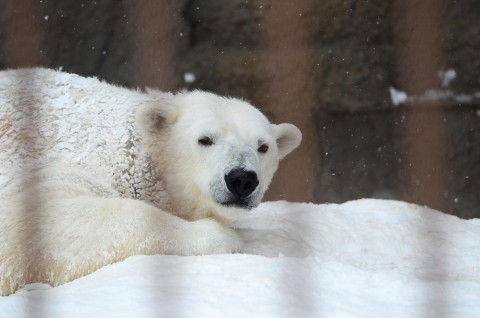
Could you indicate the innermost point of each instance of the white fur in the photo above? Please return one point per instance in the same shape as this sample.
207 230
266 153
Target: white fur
88 172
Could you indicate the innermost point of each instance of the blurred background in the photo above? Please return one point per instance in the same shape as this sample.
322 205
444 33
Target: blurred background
386 92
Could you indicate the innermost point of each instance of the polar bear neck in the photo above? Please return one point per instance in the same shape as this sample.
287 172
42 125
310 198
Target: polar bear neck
141 181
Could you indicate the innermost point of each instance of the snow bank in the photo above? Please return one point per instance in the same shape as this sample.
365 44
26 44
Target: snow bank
366 258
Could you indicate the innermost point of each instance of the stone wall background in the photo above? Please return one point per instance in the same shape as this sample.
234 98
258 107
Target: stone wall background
327 66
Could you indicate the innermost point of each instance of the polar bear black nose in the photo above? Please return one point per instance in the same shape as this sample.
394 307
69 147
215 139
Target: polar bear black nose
241 183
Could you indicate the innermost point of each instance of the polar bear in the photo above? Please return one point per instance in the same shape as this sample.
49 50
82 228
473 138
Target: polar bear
91 173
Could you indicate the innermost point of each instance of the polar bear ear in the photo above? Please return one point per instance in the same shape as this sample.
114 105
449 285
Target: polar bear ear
288 138
155 116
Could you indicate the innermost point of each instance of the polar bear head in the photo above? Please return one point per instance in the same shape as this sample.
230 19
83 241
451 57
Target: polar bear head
217 155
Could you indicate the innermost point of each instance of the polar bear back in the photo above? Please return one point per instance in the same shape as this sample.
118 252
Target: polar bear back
47 117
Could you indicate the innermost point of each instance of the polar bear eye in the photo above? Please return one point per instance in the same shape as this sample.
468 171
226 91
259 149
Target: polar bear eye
205 141
263 148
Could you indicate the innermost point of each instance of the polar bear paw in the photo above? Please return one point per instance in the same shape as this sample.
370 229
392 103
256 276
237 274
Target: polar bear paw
214 238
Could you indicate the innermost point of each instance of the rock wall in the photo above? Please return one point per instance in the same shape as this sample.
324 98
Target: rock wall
327 66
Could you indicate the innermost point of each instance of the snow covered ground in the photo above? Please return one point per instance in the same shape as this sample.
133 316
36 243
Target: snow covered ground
365 258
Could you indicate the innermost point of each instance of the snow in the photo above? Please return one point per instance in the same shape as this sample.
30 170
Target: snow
432 95
399 97
365 258
446 76
189 77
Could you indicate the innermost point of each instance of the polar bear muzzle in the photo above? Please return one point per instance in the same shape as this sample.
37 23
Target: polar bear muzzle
241 184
